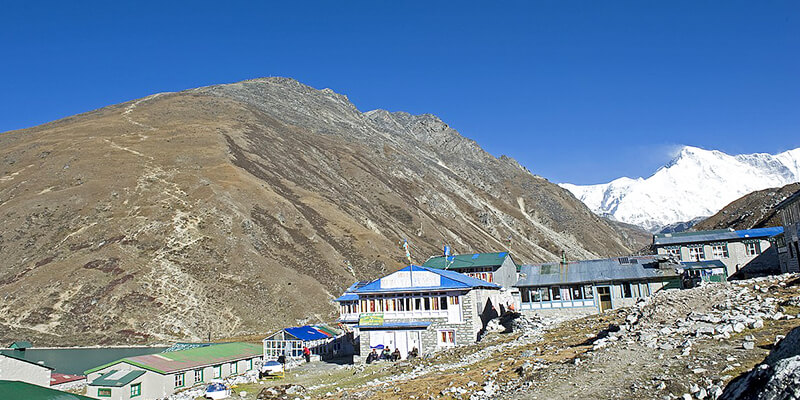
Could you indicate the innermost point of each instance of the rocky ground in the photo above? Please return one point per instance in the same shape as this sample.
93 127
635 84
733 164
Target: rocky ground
687 344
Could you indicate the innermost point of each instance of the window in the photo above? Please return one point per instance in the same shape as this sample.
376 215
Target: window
576 293
545 294
198 375
696 253
234 367
587 292
218 371
136 389
752 248
556 293
447 337
674 252
644 289
103 392
180 379
719 251
443 302
250 364
525 293
626 290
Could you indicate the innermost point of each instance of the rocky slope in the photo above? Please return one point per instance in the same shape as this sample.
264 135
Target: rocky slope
754 210
696 183
235 209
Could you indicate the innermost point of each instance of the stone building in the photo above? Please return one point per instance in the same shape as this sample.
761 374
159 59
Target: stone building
745 253
789 243
420 307
156 376
592 286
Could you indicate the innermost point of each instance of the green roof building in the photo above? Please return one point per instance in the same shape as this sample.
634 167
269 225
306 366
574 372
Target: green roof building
159 375
28 391
497 267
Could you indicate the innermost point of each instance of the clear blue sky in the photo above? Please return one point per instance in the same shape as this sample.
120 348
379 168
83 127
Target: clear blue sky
579 92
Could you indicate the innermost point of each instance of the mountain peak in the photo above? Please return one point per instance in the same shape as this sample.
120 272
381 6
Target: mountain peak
695 183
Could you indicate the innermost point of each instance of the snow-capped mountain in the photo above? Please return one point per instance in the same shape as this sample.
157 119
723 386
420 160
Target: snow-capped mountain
696 183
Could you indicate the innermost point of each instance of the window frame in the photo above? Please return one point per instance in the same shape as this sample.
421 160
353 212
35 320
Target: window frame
182 378
201 373
446 337
217 371
100 392
138 387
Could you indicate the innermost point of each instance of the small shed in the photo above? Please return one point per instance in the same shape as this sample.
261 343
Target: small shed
317 338
20 345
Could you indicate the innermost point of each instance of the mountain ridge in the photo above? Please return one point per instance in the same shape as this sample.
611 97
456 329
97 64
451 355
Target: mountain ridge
240 208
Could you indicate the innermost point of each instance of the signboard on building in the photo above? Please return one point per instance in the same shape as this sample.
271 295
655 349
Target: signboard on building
370 319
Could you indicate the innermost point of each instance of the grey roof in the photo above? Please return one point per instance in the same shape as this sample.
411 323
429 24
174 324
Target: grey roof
789 200
714 236
604 270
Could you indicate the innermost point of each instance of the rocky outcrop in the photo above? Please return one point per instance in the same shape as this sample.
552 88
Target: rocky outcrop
754 210
777 378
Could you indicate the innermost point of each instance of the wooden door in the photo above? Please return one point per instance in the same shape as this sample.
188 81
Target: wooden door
604 292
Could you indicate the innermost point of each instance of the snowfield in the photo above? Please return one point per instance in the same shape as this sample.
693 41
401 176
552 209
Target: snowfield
697 183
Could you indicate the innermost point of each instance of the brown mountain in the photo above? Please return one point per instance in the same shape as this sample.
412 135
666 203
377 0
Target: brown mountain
754 210
235 209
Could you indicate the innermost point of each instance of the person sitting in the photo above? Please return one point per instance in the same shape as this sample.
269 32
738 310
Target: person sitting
373 356
396 355
414 353
386 354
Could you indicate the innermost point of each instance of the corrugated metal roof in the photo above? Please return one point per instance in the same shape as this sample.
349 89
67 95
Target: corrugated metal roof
466 260
714 236
115 378
604 270
450 280
788 200
57 378
190 358
27 391
307 332
347 297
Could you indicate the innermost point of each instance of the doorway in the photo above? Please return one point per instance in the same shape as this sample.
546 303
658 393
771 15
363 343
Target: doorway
604 293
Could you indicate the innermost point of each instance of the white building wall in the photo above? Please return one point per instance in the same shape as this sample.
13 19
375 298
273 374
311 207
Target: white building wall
12 369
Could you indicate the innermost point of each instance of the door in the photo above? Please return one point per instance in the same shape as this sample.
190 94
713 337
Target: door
413 341
604 292
402 343
388 340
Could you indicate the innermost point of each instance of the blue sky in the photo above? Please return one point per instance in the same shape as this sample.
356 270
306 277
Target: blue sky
579 92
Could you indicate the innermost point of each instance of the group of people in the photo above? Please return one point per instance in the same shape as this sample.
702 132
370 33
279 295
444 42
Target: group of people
389 355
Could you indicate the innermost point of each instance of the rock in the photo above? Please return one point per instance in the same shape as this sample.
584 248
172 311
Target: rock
758 324
738 327
776 379
748 345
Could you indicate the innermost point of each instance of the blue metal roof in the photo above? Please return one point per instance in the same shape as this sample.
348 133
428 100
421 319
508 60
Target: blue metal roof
347 297
306 333
449 280
714 236
397 325
604 270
